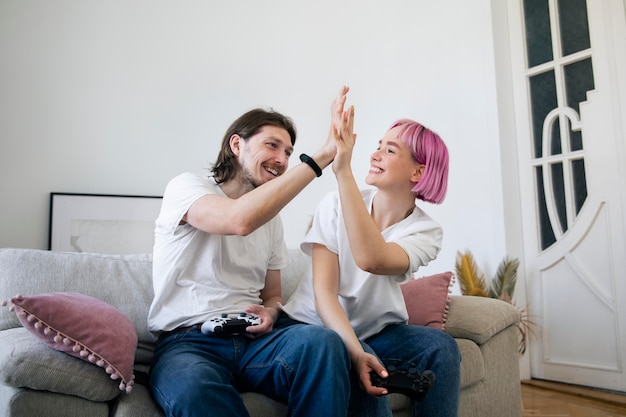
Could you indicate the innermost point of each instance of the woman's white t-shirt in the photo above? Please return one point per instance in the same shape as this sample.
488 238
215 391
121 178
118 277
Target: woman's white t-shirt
370 301
198 275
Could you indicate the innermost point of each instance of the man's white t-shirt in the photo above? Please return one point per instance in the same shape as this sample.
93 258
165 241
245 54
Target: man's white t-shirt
198 275
370 301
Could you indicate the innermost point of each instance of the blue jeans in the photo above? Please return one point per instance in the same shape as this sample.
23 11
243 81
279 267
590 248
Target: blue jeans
406 346
302 365
361 403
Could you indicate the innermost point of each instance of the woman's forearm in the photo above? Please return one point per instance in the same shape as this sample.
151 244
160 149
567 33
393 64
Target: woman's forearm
334 317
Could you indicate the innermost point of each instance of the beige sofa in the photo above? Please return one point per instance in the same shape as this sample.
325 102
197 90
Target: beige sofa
36 380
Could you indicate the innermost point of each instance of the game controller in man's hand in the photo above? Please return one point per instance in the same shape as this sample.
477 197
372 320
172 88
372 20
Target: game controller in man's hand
230 325
409 382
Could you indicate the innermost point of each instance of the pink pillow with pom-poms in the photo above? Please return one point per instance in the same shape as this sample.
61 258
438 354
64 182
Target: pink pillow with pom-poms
84 327
427 299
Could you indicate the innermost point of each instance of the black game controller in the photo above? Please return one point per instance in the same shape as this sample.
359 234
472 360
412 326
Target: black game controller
410 382
233 325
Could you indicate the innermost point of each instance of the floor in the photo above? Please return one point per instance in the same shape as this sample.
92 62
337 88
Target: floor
548 399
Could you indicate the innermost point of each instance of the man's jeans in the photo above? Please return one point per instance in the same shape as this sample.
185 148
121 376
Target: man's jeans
302 365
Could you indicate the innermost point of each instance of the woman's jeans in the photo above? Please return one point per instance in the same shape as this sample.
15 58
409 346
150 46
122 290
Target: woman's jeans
305 366
406 346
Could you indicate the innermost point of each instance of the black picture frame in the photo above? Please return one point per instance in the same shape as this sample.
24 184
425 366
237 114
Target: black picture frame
102 223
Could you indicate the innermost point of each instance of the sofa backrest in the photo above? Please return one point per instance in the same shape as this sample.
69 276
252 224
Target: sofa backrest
123 281
293 272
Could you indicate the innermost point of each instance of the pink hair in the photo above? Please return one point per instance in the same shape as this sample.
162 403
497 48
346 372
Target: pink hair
428 149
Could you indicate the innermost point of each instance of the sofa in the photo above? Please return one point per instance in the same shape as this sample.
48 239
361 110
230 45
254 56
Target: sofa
37 380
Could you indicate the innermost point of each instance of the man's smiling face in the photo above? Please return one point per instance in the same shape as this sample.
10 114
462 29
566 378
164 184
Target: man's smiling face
265 155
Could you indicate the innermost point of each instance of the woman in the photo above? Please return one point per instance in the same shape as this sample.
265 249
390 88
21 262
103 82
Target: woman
364 244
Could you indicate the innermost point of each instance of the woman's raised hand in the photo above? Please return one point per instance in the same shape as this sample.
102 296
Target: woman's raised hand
336 109
329 149
345 138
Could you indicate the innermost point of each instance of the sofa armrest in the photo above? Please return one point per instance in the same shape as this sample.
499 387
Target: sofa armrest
479 318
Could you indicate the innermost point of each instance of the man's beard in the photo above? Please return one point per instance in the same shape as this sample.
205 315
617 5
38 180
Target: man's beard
248 179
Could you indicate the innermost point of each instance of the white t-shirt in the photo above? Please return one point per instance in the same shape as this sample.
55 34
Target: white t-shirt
370 301
198 275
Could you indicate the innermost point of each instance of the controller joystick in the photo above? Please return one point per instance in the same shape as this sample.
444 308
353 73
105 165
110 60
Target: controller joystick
410 382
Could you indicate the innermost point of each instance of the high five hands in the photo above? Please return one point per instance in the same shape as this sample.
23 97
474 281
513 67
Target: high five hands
342 131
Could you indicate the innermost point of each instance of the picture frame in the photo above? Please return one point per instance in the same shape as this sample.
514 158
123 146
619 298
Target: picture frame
102 223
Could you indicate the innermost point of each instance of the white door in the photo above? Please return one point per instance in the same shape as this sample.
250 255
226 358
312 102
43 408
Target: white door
568 65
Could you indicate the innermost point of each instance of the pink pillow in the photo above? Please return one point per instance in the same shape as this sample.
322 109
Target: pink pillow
84 327
427 299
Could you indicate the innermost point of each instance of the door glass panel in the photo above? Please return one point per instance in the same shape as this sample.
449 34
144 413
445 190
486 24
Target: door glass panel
580 183
574 26
545 228
543 100
557 89
558 191
538 36
555 138
578 81
575 138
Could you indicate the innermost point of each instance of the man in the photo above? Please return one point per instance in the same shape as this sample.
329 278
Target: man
219 248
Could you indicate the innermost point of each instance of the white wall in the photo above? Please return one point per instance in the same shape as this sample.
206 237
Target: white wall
117 97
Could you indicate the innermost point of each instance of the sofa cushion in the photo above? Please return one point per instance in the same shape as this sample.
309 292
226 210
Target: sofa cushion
262 405
427 299
84 327
22 402
140 404
472 364
26 362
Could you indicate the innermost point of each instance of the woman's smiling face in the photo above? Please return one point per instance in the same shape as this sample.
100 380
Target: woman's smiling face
392 164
